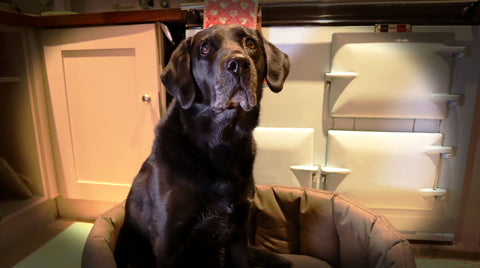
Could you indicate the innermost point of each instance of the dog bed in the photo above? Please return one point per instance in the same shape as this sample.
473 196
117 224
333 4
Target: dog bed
312 228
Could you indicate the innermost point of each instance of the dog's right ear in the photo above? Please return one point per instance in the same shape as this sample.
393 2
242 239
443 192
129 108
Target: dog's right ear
177 75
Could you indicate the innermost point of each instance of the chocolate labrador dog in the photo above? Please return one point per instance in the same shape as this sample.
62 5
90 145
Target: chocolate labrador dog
189 204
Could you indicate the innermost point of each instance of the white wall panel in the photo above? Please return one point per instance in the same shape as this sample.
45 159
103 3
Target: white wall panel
277 150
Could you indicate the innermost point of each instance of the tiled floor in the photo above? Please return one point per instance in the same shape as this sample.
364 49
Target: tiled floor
447 255
24 248
23 252
446 263
64 250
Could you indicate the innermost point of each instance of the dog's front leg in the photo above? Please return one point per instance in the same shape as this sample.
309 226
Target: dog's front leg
259 257
236 248
236 255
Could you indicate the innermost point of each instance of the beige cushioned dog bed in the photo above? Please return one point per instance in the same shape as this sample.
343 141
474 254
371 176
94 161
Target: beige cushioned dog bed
312 228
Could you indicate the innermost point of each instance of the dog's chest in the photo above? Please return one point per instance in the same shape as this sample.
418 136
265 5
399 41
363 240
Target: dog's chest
216 220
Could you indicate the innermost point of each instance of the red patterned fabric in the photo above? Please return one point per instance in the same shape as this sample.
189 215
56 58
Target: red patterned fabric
243 12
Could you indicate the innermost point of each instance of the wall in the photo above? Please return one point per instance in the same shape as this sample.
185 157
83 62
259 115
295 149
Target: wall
468 227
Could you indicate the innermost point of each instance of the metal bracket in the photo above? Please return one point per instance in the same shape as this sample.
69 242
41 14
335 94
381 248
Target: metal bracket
450 99
311 169
334 170
456 52
436 192
444 151
331 75
330 170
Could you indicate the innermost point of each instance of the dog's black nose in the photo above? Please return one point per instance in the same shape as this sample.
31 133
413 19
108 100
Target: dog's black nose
237 64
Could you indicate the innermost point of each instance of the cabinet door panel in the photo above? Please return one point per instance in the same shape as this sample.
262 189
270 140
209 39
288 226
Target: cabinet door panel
104 129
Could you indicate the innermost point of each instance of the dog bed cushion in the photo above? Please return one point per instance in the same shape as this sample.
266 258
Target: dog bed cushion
100 245
11 185
304 261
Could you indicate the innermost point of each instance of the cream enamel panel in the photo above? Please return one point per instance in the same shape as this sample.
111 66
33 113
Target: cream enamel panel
387 169
277 150
97 77
390 75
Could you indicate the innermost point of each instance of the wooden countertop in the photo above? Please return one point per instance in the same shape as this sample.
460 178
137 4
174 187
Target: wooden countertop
171 15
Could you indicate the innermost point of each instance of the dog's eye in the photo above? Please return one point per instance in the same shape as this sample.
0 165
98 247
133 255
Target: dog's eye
250 43
205 48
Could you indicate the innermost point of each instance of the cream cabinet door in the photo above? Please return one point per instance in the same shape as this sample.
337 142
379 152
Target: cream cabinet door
104 90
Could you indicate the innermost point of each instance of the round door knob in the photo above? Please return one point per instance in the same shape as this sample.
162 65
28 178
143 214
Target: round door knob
146 98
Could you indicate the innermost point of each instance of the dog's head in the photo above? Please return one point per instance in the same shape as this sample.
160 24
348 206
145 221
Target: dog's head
224 67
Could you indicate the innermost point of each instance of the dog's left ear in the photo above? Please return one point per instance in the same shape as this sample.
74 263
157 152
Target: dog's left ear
177 76
278 66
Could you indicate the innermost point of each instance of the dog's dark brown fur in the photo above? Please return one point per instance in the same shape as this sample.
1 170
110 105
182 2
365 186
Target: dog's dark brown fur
189 204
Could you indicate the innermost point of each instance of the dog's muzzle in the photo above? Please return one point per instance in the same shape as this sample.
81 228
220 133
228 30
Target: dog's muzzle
238 83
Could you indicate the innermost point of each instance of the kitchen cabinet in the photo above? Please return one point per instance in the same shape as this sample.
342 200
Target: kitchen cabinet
104 85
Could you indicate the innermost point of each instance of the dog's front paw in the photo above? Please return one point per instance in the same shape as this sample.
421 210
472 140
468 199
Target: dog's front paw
262 258
279 262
